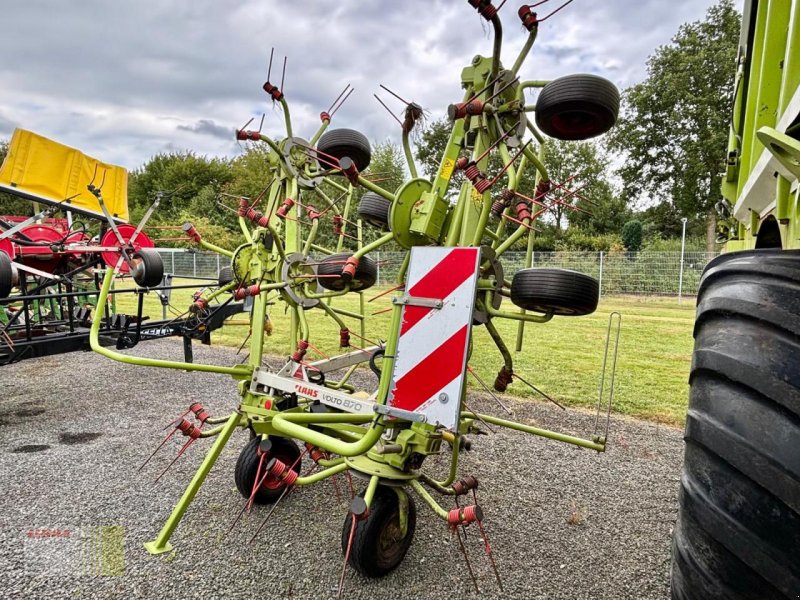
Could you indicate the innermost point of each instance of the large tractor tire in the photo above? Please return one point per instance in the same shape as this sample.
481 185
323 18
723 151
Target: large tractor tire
738 529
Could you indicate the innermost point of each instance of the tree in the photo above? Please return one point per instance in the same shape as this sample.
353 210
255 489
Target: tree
633 235
581 166
192 183
250 171
674 127
387 166
12 205
601 210
431 145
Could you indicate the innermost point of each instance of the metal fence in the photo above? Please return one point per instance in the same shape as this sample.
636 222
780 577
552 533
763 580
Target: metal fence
637 273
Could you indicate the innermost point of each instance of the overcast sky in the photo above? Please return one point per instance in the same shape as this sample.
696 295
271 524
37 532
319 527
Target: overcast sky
125 80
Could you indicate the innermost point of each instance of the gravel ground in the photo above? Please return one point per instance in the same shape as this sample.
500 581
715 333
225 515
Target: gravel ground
563 522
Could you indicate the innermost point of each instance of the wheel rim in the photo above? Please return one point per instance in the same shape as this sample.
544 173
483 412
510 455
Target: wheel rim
579 122
391 541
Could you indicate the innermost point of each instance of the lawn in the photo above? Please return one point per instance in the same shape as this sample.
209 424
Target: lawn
562 357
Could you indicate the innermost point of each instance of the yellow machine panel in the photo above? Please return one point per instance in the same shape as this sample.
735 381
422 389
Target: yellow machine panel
45 171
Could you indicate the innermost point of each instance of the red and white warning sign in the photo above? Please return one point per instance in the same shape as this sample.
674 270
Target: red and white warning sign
435 329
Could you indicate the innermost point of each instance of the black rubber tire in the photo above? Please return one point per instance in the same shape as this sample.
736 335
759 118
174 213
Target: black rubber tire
365 277
376 549
374 209
560 291
225 276
577 107
738 529
150 271
247 467
6 275
345 142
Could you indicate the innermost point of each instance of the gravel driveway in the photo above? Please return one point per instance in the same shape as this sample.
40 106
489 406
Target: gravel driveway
563 522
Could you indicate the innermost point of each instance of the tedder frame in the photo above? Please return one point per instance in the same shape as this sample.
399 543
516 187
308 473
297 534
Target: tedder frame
451 281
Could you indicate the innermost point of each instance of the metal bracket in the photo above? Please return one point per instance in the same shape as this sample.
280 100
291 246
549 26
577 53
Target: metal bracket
47 212
407 415
407 300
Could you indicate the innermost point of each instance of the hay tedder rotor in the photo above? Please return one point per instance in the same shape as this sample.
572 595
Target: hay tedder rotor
451 281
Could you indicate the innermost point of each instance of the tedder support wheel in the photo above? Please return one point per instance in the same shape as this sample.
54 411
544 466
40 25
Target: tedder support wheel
560 291
6 275
283 449
738 529
345 142
330 269
148 270
378 543
577 107
374 209
225 276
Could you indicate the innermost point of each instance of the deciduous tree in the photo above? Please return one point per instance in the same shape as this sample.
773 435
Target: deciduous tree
674 127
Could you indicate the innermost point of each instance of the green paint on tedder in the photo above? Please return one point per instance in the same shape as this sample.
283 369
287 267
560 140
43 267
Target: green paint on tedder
762 199
373 436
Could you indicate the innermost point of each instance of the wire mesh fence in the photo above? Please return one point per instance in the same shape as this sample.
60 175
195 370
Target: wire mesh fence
635 273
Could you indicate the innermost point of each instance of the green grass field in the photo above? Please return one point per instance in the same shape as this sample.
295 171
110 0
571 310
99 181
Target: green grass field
562 357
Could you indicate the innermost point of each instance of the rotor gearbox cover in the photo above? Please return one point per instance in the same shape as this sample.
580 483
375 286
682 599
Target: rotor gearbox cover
417 217
244 255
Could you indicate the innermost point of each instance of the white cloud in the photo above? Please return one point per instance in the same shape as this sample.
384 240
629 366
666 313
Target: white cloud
123 81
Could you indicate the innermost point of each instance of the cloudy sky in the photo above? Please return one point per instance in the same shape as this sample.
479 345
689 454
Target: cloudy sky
125 80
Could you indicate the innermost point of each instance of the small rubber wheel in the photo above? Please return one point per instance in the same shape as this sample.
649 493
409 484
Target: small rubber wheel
148 270
577 107
374 209
283 449
738 528
345 142
560 291
331 268
6 275
378 545
225 276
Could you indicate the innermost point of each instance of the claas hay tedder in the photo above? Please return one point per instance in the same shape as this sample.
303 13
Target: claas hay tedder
452 280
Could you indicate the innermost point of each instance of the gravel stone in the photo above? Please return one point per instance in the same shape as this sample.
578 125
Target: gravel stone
563 522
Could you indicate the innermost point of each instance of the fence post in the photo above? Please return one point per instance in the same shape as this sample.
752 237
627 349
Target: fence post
683 246
378 263
194 264
218 267
600 279
172 254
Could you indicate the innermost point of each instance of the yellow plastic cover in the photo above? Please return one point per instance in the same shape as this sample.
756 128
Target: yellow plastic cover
54 172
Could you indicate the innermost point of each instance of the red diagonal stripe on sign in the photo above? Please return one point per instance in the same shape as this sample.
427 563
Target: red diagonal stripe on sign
437 370
439 282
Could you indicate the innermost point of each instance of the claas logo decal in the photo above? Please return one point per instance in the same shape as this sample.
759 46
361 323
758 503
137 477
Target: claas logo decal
305 391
